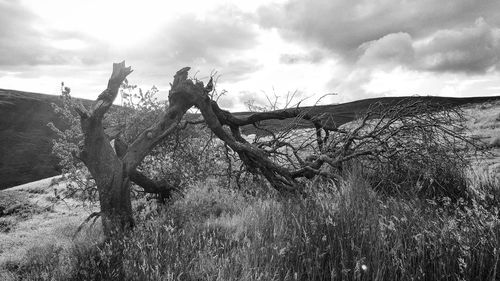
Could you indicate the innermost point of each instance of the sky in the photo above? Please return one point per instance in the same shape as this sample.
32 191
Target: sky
324 51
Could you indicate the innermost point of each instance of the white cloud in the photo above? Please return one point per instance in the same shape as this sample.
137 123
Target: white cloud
361 49
394 48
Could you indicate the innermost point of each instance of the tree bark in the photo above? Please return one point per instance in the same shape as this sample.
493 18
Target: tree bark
106 167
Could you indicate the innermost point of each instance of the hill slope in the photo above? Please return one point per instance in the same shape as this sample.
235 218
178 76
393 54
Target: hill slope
26 140
339 114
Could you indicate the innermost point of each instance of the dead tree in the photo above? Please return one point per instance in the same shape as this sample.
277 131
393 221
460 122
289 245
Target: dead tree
114 169
416 140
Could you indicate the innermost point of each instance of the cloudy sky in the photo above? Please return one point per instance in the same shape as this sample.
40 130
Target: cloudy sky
357 49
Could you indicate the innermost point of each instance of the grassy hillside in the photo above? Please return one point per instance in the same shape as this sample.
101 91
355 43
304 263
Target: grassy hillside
339 114
26 141
25 138
214 232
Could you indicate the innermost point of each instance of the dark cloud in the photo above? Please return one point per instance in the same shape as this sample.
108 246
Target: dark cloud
470 50
380 31
473 49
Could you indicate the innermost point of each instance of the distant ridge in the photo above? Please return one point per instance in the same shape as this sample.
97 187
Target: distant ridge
343 113
26 140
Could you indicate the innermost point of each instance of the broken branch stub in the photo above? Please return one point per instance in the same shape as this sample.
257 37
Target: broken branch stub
106 98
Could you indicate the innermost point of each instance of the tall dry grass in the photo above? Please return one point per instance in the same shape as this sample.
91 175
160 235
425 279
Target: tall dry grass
347 232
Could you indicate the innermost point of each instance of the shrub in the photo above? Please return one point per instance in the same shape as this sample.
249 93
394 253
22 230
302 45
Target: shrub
417 149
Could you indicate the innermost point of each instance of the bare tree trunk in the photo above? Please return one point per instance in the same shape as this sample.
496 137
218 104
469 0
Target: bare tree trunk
112 181
113 169
107 169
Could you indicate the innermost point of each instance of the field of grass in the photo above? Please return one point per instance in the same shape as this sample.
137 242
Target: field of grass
32 216
216 232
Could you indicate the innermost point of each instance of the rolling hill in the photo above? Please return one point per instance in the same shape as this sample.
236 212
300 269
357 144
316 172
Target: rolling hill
26 140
